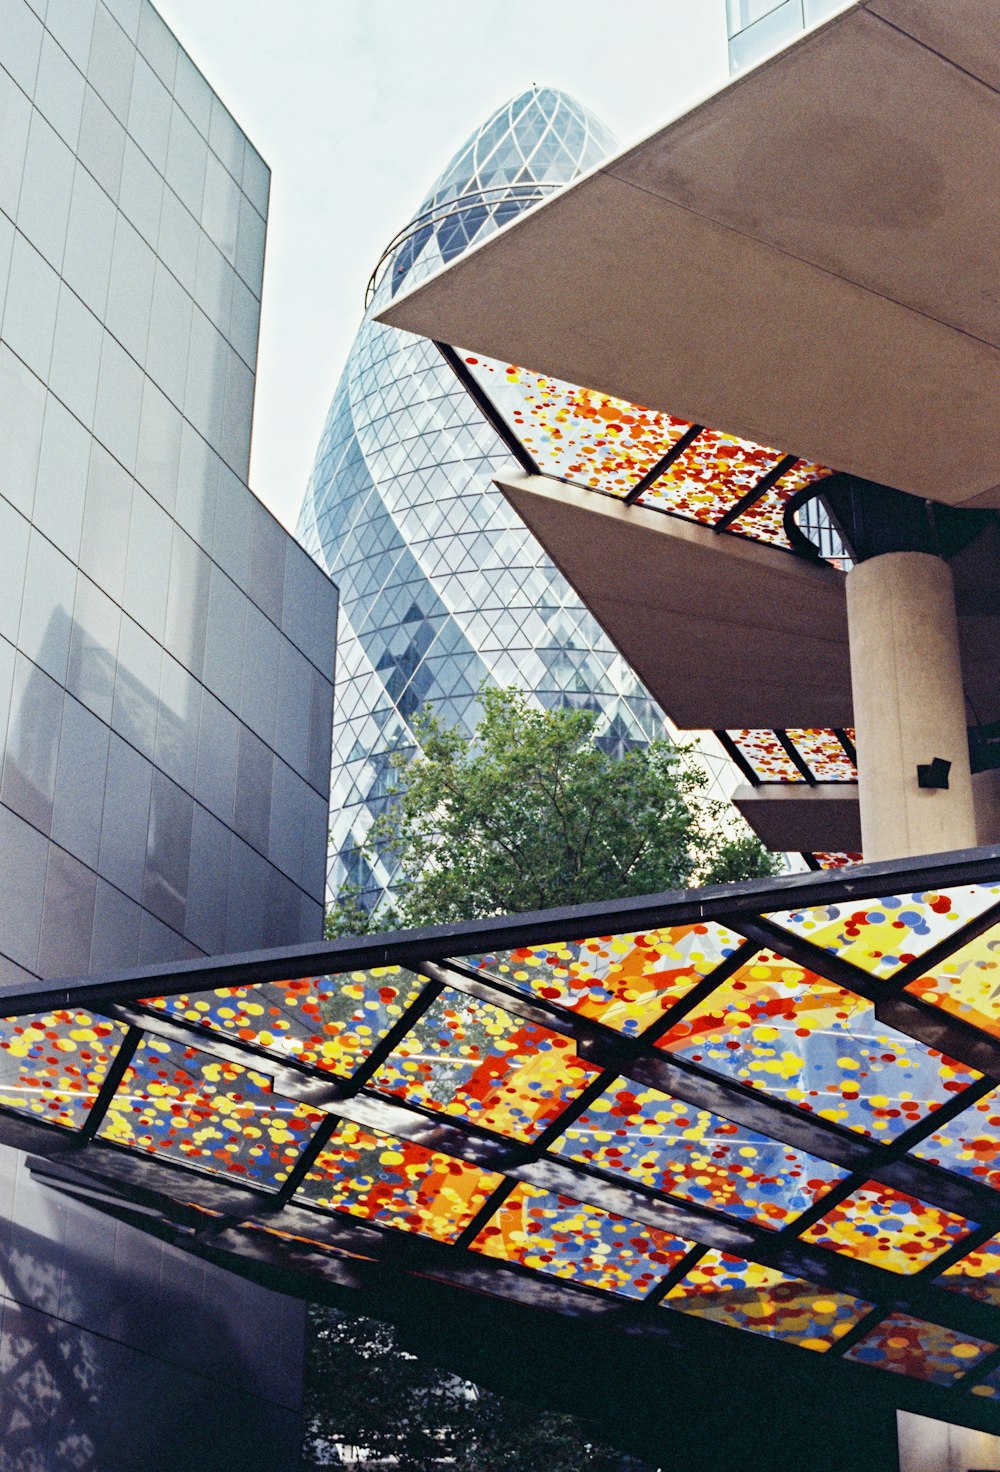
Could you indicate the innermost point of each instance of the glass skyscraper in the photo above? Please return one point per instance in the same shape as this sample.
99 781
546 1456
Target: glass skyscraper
441 585
759 26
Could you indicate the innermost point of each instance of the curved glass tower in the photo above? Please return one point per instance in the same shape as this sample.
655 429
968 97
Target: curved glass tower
441 586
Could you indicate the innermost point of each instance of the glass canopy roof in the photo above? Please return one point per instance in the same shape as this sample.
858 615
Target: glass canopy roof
651 459
770 1111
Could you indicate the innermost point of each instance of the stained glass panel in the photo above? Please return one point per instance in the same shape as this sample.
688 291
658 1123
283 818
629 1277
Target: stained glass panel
397 1183
967 985
472 1059
977 1274
827 860
710 476
625 981
883 934
824 755
557 1235
179 1104
888 1229
578 433
745 1295
766 756
52 1065
793 1035
328 1022
697 1156
969 1144
925 1351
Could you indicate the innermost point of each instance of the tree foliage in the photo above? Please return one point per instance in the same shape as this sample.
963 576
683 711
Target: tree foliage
531 813
367 1394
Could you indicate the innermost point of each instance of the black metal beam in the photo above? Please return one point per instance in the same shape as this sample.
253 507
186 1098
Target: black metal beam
755 493
662 465
488 409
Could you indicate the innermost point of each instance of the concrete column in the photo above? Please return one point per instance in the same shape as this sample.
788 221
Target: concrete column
909 706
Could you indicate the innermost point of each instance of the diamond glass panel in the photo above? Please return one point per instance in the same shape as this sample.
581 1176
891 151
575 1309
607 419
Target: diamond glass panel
824 755
882 935
977 1274
925 1351
766 756
180 1104
578 433
472 1059
397 1183
745 1295
52 1065
328 1022
625 981
793 1035
696 1155
888 1229
967 984
557 1235
969 1144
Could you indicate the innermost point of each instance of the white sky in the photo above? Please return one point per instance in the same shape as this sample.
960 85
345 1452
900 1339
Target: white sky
358 104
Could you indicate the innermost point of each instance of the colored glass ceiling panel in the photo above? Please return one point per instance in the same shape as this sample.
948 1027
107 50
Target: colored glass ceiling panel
52 1065
783 1030
697 1156
924 1351
977 1274
472 1059
967 984
827 860
328 1022
710 476
887 1229
883 934
557 1235
766 756
824 754
397 1183
969 1144
179 1104
578 433
745 1295
625 981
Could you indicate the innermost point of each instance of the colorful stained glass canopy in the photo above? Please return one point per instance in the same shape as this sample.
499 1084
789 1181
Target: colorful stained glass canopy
770 1111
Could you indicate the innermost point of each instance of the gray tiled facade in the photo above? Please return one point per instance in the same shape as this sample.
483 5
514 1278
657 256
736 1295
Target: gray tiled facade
166 686
757 27
165 648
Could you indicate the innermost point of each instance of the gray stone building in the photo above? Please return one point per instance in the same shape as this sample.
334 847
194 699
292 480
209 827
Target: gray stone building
166 667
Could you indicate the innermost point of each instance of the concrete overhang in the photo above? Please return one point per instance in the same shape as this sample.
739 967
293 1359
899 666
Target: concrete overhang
807 260
801 819
729 633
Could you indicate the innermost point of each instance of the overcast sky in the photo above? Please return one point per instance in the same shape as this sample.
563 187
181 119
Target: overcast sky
358 104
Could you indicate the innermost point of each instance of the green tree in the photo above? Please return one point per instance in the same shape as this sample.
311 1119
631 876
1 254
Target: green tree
531 813
528 814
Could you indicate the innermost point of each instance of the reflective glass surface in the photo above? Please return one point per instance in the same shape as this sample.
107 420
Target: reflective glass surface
625 981
397 1183
796 1036
557 1235
967 984
52 1065
442 587
909 1346
882 935
331 1022
472 1059
746 1295
179 1104
969 1144
697 1156
888 1229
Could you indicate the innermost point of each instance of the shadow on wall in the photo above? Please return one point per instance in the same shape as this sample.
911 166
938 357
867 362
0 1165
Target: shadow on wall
118 1352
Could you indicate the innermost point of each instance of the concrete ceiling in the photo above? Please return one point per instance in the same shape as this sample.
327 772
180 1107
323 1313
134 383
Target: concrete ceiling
728 633
808 259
